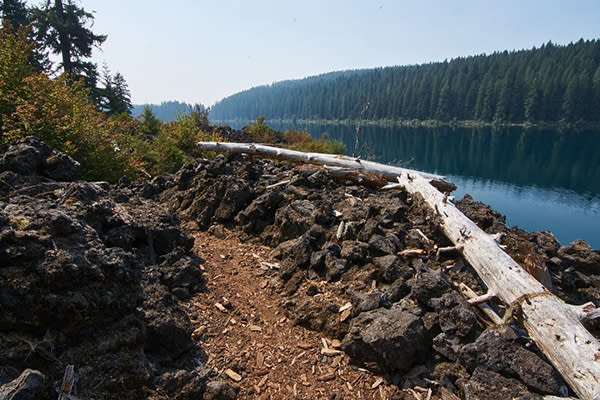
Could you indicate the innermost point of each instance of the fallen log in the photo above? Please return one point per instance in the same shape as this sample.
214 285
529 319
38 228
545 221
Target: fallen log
553 325
556 327
384 172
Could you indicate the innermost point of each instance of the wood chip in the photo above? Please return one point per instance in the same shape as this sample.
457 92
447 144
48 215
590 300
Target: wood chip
378 382
345 307
263 381
330 352
260 359
412 252
255 328
336 361
327 377
336 344
221 307
233 375
198 332
345 315
325 344
305 346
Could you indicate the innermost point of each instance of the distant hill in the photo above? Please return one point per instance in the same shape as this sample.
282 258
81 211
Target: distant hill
547 84
165 111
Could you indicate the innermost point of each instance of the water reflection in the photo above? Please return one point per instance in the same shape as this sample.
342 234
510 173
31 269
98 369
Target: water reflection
539 178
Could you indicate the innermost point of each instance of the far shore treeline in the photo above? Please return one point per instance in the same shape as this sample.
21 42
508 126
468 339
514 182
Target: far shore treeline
550 84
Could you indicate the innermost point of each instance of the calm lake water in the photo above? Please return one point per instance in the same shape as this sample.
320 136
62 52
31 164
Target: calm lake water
541 179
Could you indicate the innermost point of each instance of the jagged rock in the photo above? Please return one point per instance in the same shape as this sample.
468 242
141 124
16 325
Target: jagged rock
455 314
60 167
168 326
295 219
498 351
379 245
31 156
28 386
220 390
447 345
186 385
429 285
261 212
579 255
236 195
335 267
385 339
489 385
391 268
483 215
354 250
362 302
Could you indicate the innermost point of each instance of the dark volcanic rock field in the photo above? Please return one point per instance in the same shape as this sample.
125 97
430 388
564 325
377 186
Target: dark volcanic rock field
97 276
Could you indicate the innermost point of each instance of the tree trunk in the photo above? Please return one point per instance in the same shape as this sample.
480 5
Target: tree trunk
384 172
63 37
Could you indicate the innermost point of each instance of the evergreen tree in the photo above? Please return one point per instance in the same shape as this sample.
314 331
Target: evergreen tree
15 12
63 30
114 96
150 126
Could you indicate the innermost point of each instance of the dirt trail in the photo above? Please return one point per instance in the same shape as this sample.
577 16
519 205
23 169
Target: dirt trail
252 337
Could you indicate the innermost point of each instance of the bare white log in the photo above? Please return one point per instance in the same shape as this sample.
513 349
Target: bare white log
385 172
554 325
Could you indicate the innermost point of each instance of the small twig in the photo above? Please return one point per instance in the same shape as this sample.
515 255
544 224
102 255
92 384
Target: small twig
486 309
67 383
284 182
340 231
354 154
271 266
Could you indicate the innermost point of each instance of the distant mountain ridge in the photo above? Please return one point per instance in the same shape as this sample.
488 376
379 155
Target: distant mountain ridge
547 84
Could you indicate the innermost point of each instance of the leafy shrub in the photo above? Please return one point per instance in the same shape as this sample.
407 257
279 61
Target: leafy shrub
302 141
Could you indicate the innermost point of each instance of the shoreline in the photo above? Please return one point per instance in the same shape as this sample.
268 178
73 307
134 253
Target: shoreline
416 123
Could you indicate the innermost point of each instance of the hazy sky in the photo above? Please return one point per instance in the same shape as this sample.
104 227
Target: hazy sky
201 51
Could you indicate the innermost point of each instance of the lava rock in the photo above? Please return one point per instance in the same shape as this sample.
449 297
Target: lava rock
362 302
499 351
294 219
354 250
388 339
488 385
220 390
431 284
580 255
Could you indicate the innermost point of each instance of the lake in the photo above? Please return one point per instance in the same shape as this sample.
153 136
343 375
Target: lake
540 178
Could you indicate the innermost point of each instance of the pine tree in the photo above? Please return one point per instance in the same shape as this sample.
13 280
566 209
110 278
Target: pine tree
150 126
114 97
62 29
15 12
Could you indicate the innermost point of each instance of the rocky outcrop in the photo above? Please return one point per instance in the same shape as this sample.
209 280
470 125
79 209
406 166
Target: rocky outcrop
90 274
